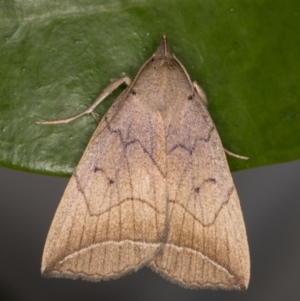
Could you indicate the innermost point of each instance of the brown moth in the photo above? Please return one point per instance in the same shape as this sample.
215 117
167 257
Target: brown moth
152 188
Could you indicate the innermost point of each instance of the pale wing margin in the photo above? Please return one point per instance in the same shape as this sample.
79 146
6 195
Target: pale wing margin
207 244
111 219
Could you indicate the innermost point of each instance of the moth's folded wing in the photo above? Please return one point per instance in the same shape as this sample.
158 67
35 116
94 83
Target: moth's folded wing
111 218
207 245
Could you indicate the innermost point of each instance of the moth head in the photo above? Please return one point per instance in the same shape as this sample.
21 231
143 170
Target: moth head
163 55
163 49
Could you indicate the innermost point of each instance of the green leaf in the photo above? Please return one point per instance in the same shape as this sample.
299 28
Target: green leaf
57 56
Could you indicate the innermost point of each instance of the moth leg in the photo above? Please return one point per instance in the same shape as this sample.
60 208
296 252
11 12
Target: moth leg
235 155
110 88
200 93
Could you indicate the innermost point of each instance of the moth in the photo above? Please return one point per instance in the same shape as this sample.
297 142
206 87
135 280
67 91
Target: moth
153 188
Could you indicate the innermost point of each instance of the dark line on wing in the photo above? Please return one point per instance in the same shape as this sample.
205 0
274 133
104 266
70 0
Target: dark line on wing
118 204
191 149
130 181
127 143
223 204
230 191
82 233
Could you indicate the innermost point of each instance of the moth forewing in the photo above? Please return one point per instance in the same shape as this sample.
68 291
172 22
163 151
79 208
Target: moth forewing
152 187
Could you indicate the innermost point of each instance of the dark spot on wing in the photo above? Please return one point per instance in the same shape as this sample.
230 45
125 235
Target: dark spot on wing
210 180
96 168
